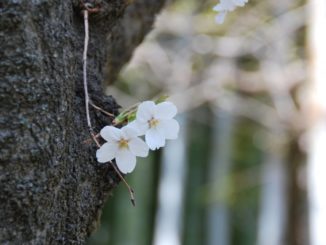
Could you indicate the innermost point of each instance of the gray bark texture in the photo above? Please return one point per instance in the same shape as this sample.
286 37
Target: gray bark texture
51 187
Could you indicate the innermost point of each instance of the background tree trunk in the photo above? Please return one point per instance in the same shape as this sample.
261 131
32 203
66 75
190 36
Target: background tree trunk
51 187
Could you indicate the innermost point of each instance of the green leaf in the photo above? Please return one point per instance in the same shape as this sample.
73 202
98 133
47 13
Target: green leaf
161 99
132 117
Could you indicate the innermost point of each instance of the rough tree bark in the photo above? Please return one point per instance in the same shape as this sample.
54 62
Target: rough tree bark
51 187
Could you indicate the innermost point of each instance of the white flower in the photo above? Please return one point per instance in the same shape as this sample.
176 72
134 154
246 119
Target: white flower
156 122
226 6
123 145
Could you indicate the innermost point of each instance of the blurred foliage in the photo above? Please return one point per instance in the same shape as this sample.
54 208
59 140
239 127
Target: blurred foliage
121 223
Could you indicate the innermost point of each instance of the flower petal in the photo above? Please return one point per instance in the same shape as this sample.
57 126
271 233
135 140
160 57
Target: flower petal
240 3
138 147
145 111
218 7
170 128
227 5
219 19
154 138
129 132
165 110
106 152
126 161
140 127
110 133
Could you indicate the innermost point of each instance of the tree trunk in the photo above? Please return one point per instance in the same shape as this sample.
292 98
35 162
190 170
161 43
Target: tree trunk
51 187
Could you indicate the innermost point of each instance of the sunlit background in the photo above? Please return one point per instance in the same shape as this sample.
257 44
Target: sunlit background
239 172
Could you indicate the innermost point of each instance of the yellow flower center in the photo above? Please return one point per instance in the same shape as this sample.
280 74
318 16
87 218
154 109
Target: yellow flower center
123 143
153 123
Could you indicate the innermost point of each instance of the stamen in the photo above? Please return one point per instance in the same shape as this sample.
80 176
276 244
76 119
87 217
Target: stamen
153 123
123 143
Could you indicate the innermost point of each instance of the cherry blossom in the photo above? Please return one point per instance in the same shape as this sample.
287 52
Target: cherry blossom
123 145
156 122
226 6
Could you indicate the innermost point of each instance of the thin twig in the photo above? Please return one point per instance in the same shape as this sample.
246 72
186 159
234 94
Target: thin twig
87 102
101 110
89 124
131 191
94 137
89 140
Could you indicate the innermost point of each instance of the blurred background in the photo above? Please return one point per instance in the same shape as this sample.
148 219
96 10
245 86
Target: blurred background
238 173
